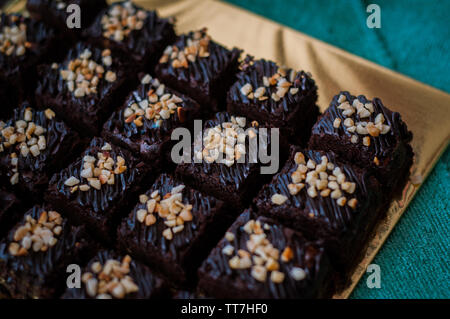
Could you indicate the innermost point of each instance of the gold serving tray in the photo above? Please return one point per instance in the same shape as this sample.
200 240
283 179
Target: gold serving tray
425 109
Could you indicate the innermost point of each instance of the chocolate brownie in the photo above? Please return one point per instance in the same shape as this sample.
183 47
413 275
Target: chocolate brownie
141 34
86 87
55 13
258 258
145 122
34 145
225 161
95 188
200 68
173 228
282 97
10 210
24 43
34 256
324 198
368 134
112 276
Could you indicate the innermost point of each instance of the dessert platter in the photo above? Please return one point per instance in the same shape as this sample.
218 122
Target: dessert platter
87 177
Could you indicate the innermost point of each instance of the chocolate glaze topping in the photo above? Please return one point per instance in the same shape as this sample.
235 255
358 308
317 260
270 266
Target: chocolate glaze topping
380 146
204 70
38 266
234 175
307 255
150 132
253 72
38 35
325 209
203 208
99 200
57 136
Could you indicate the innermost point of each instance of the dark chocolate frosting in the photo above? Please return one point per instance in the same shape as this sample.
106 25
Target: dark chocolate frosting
38 35
380 146
203 209
36 269
308 256
253 72
33 169
150 132
325 209
140 43
148 283
235 175
99 201
203 71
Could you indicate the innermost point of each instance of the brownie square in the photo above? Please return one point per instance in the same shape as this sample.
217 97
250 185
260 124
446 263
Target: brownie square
368 134
282 97
200 68
34 145
145 122
173 228
85 87
112 276
95 188
54 13
140 33
10 208
258 258
34 256
23 43
324 198
224 163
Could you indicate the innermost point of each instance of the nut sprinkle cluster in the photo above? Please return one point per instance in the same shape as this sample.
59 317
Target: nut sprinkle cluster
36 235
26 136
98 171
363 127
170 208
279 80
13 39
121 19
111 280
158 106
196 46
84 74
261 256
225 143
324 179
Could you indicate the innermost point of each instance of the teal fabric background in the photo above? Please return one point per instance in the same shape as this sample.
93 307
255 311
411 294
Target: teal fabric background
414 39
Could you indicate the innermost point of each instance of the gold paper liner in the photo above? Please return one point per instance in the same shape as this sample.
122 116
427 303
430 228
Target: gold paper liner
425 109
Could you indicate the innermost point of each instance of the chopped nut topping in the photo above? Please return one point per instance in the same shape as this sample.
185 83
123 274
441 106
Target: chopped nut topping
324 179
83 74
38 235
298 273
171 209
229 236
98 170
283 86
29 138
225 143
363 126
196 46
278 199
121 20
261 256
111 280
159 105
13 40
